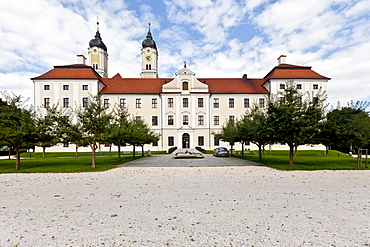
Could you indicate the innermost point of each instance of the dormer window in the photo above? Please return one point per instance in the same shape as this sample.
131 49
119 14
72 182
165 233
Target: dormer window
185 85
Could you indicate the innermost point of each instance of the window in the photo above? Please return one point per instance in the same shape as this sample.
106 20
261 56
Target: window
282 86
185 85
216 141
170 120
95 66
246 103
155 144
85 87
85 101
138 118
46 87
148 66
65 102
200 102
315 86
154 120
216 120
65 87
170 102
200 140
232 118
46 102
122 103
138 103
262 103
231 102
171 141
216 103
185 120
299 86
185 102
200 120
106 103
155 103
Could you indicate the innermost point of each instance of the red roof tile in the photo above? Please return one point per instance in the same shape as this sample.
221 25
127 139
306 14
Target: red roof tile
234 85
74 71
119 85
288 71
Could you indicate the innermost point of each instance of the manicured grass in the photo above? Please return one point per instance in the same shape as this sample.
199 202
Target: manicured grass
66 163
305 160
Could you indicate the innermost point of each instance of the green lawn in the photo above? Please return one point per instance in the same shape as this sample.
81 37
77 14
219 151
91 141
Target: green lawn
62 162
305 160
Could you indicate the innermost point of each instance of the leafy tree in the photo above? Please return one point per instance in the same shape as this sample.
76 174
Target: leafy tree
294 119
253 127
119 132
47 129
346 128
229 133
17 124
140 134
94 120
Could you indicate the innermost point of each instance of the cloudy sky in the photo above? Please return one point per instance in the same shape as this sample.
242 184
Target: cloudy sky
217 38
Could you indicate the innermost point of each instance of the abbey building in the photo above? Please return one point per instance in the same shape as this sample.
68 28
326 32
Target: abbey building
185 110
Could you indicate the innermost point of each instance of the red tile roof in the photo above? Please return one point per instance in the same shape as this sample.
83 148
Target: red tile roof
289 71
74 71
234 85
119 85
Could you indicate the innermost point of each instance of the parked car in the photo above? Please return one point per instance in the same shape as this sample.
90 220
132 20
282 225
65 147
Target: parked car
221 152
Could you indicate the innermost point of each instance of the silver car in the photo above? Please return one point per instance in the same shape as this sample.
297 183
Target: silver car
221 152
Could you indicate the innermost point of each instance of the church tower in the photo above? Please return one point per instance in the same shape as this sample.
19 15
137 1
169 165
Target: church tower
98 55
149 57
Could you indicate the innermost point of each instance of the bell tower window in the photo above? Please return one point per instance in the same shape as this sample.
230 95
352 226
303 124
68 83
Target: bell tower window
95 66
148 66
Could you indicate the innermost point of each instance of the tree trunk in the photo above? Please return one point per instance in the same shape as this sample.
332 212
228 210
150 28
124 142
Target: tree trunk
76 150
327 151
93 164
243 148
110 149
18 156
133 153
142 150
43 152
231 149
291 154
260 152
119 150
10 152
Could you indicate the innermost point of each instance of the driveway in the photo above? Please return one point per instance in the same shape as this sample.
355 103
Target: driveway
209 160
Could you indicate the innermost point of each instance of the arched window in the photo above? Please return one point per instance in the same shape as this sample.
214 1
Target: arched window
185 85
148 66
95 66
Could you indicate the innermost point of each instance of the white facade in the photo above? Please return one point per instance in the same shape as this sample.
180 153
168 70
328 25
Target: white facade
186 111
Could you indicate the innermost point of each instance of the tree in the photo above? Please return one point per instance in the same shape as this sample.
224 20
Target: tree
17 124
47 129
140 134
253 127
346 128
119 132
94 120
294 119
229 133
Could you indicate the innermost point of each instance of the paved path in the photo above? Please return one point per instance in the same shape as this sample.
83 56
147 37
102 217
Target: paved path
168 161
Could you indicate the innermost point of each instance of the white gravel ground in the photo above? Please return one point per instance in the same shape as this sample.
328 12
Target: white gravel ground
186 206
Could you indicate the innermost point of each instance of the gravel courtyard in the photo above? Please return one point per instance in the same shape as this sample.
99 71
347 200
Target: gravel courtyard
159 201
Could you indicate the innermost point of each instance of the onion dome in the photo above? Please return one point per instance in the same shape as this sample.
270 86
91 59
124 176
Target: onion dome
149 42
97 41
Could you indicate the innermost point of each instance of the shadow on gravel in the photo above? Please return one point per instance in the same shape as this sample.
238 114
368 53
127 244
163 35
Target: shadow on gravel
208 161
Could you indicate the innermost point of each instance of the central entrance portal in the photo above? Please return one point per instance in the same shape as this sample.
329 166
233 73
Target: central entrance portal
185 140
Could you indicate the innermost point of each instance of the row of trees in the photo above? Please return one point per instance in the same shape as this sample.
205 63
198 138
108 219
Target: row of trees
22 127
297 119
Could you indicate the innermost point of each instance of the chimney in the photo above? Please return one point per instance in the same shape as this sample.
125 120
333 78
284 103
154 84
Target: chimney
281 59
81 59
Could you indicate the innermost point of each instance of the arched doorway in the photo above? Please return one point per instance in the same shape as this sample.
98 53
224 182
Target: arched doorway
185 140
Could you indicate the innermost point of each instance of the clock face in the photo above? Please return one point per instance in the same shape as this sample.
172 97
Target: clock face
148 58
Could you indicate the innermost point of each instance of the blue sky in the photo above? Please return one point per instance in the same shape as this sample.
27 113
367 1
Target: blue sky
218 38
